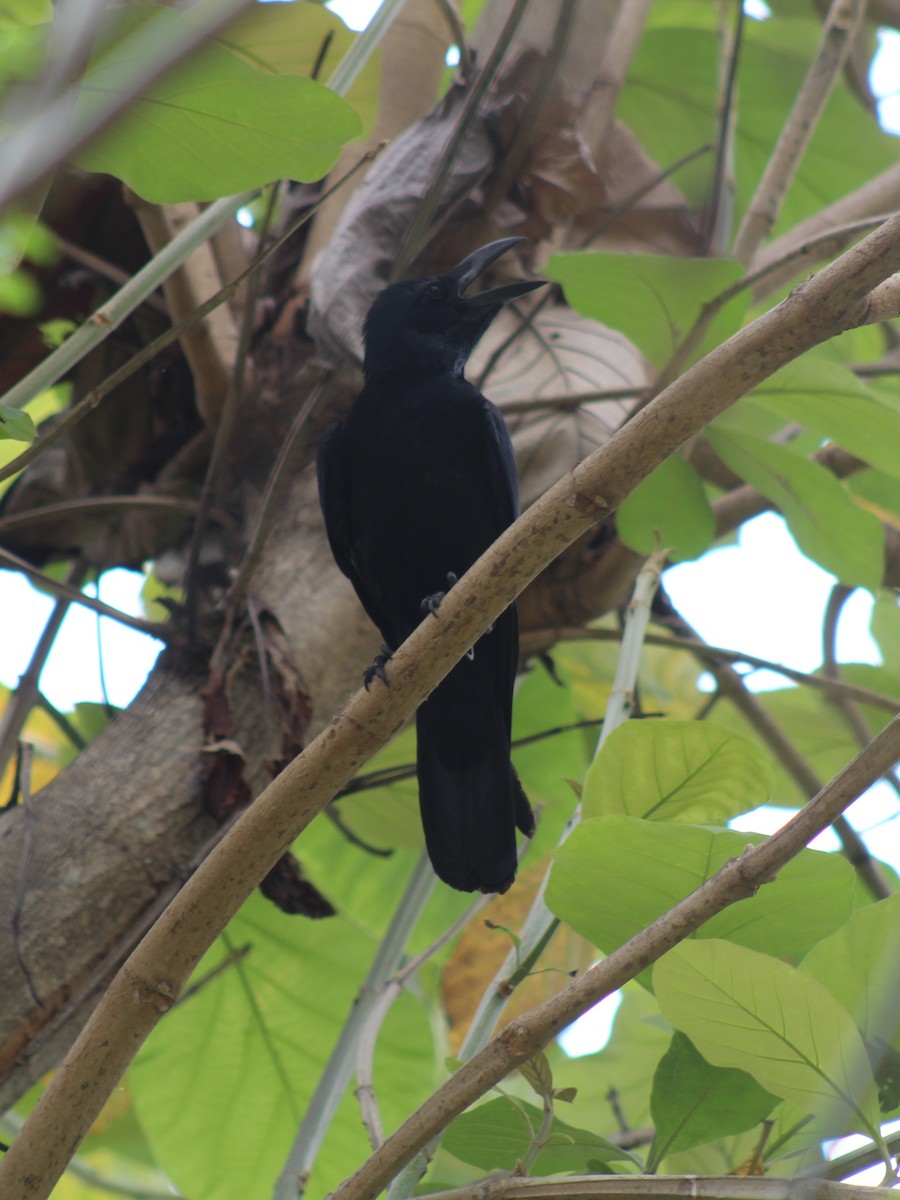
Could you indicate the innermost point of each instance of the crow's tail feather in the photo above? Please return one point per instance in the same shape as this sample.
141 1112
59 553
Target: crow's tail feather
469 794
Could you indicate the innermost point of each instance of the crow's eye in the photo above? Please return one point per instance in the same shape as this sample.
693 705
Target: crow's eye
434 291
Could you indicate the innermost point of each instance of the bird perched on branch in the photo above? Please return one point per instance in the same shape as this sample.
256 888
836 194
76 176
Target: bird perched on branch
415 483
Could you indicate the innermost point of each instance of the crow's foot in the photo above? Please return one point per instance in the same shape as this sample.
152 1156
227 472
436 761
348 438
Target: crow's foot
433 602
377 671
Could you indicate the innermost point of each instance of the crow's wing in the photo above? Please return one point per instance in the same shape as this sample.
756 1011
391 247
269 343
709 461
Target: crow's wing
501 467
335 501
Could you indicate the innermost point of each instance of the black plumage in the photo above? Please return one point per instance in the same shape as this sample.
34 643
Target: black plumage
415 483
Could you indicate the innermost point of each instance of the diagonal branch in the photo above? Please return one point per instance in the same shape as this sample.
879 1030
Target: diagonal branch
148 984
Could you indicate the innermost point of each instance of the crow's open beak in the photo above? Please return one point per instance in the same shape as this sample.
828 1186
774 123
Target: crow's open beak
478 262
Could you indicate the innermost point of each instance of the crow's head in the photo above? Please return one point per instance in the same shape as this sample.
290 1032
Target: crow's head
430 325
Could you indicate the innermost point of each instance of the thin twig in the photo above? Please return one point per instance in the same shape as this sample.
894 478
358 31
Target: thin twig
539 638
458 34
837 36
23 701
848 709
105 504
716 221
277 476
225 425
424 218
881 194
71 594
24 777
61 721
382 1005
733 686
509 168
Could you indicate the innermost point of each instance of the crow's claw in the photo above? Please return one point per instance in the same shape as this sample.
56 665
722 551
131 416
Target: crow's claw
433 602
377 669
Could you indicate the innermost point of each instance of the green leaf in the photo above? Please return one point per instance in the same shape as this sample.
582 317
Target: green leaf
222 1084
15 425
668 509
496 1136
693 1102
826 524
20 295
677 770
288 39
859 965
538 1075
878 493
212 127
653 299
615 875
827 398
748 1010
670 97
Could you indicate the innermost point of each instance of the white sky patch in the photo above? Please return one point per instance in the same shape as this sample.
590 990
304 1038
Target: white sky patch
72 672
764 597
355 13
592 1030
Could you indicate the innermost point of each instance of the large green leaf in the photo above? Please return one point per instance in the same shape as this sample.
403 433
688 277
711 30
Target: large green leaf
694 1102
653 299
289 39
496 1135
825 522
615 875
751 1011
676 770
222 1084
668 509
826 397
860 966
213 126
